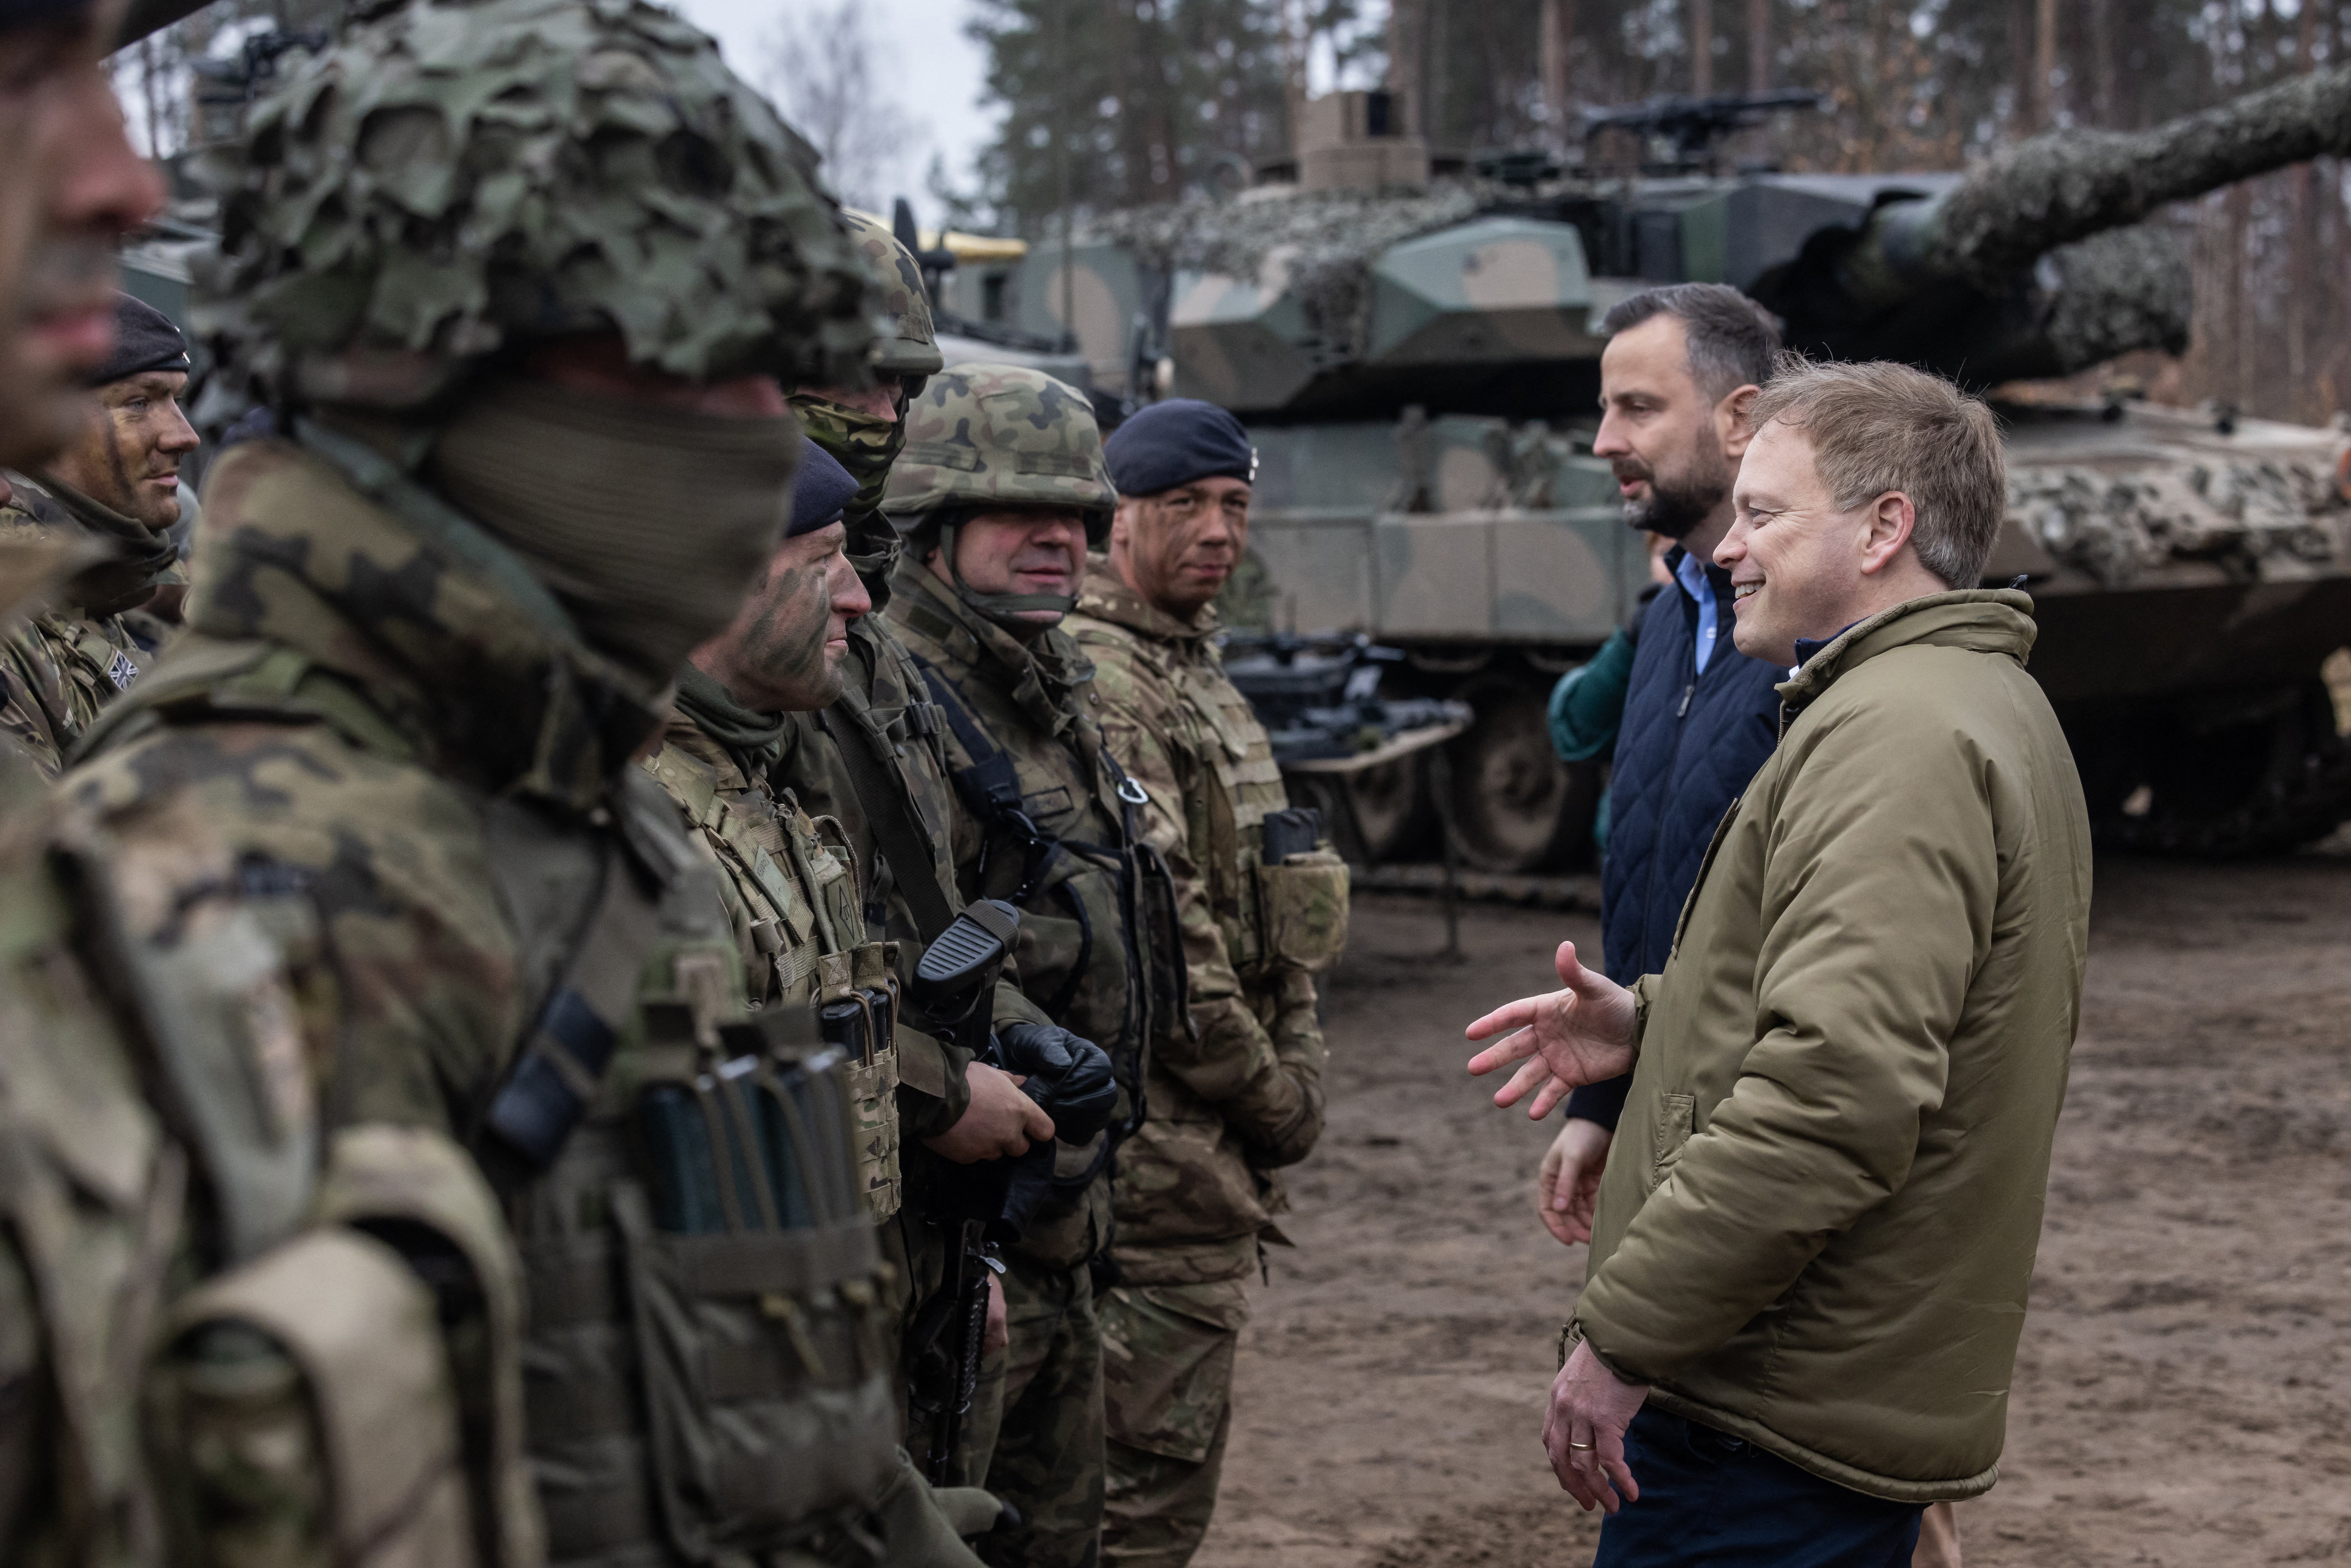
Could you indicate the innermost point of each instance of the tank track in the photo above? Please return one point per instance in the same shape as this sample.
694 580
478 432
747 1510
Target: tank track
2304 796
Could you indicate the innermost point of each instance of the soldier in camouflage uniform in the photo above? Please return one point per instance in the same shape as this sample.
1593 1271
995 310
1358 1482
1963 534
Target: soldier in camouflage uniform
63 666
864 427
1235 1089
876 756
998 493
791 884
882 707
533 449
200 1317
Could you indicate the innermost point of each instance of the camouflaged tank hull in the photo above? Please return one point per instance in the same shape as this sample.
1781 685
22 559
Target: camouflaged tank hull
2189 585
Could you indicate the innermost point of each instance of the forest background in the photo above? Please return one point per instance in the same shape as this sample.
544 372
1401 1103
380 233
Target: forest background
1116 103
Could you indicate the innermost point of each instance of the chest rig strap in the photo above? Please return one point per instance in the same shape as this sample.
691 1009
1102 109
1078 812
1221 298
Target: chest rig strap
991 787
555 1076
890 811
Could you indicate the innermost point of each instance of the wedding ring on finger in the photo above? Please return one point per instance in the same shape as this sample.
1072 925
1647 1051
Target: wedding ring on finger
1580 1447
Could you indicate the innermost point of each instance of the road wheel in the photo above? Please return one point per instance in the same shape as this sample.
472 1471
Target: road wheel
1516 807
1390 806
2255 776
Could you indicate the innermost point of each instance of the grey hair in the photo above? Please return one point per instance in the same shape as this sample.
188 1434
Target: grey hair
1733 341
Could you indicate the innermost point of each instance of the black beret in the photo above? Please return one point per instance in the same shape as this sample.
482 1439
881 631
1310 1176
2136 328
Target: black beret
1175 442
144 339
820 489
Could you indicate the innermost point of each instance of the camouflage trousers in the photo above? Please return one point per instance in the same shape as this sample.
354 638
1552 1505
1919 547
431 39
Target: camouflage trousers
1168 1387
1034 1433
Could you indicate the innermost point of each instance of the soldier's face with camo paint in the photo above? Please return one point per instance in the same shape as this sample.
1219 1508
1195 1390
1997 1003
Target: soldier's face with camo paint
1022 549
1176 548
69 186
784 652
128 454
1669 443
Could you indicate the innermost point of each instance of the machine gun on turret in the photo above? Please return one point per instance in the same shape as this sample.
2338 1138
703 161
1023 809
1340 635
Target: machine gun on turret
1689 126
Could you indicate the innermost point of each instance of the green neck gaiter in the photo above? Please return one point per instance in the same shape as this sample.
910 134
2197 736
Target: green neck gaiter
647 522
753 737
861 443
128 580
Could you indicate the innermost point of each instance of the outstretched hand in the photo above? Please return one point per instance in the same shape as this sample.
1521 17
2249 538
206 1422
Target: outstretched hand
1568 1038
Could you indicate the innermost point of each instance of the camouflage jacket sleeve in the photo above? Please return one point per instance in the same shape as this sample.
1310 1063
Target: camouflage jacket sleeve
330 1268
1262 1073
34 708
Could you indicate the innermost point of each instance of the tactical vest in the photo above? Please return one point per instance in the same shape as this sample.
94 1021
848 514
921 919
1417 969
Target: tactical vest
800 933
1058 841
705 1366
1288 909
709 1363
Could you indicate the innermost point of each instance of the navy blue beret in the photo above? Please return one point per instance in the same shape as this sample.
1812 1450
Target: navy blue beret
1175 442
820 489
144 339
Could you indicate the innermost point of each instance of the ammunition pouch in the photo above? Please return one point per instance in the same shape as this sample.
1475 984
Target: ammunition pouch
858 1011
1301 909
711 1369
313 1383
708 1368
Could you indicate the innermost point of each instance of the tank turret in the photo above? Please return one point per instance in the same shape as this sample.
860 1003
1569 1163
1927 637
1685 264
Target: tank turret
1419 365
2030 265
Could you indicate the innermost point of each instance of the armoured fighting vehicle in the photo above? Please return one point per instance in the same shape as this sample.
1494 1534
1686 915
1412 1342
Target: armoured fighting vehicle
1418 365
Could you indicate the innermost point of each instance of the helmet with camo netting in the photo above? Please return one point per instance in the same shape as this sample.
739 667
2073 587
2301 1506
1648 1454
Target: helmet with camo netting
449 179
1000 435
909 347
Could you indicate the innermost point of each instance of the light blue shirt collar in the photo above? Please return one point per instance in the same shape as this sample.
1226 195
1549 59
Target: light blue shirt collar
1691 571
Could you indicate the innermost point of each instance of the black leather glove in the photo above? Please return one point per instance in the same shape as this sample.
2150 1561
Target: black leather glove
1069 1077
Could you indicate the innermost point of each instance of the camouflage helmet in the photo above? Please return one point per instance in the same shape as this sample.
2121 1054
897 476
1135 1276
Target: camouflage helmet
1000 435
909 347
450 178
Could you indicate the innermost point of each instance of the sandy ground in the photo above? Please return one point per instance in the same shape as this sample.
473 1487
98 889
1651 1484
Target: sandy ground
2182 1395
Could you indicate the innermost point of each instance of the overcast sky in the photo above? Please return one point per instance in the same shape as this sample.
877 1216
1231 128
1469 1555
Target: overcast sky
924 65
923 61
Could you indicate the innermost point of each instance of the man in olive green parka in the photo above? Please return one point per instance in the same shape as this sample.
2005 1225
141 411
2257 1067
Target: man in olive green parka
1817 1225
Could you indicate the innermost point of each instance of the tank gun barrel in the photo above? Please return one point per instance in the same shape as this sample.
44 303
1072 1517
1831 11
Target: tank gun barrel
145 17
2056 189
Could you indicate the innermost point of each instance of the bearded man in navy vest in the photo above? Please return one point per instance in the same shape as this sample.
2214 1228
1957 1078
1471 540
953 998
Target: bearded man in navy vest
1684 364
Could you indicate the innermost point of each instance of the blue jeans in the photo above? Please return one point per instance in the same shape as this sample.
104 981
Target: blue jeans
1708 1498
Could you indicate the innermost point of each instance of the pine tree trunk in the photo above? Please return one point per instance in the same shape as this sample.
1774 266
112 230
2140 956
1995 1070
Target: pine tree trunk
1558 36
2045 65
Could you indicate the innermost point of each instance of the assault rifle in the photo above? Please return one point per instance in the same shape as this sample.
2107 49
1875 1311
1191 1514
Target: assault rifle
955 986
